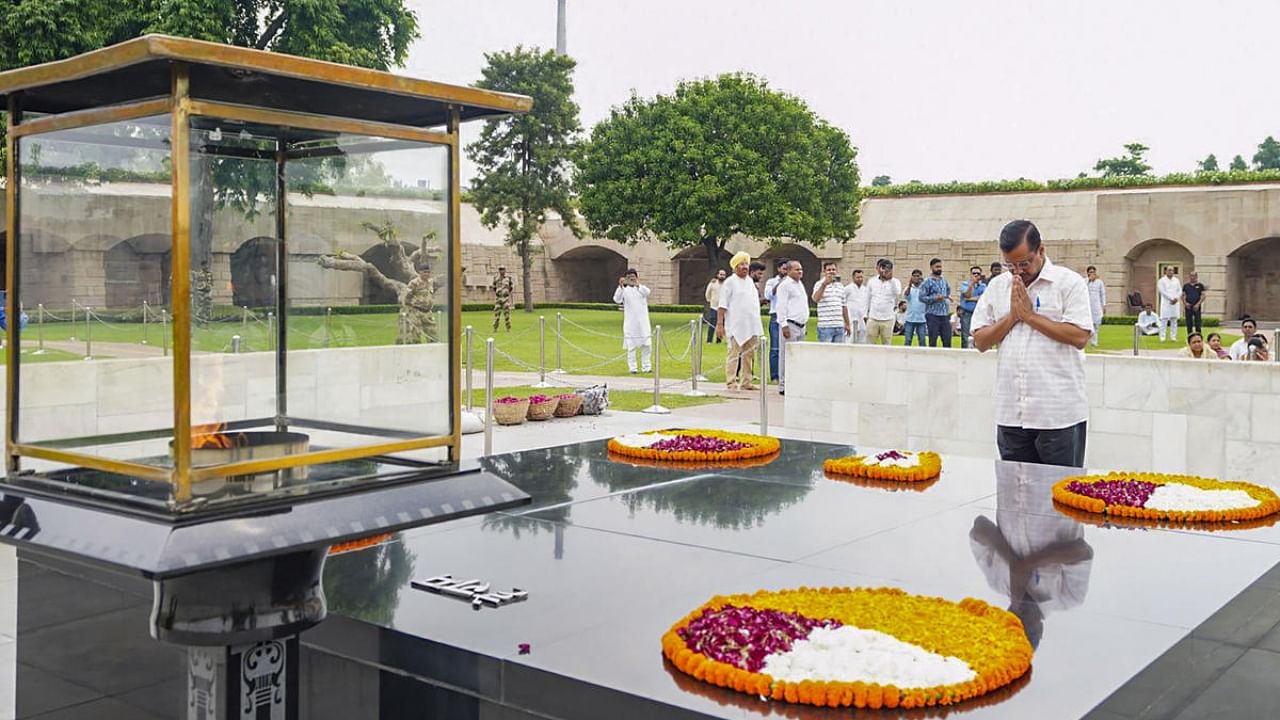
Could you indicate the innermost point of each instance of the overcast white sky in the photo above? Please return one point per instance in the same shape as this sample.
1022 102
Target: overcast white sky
932 90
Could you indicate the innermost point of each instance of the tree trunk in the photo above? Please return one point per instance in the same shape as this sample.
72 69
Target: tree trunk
526 272
713 249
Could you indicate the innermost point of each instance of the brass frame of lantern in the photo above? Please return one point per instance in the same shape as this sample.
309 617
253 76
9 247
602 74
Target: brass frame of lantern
182 107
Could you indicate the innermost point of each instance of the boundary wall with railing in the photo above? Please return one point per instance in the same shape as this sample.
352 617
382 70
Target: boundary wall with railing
1211 418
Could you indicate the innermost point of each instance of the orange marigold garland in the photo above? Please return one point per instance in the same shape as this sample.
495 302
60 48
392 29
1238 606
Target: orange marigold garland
1167 498
892 465
988 641
694 445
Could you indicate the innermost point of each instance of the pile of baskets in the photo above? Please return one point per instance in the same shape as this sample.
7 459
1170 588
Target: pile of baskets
512 410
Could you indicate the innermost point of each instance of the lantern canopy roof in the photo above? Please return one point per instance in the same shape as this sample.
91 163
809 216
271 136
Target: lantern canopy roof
140 69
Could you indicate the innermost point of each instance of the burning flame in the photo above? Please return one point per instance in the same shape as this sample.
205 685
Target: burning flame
210 436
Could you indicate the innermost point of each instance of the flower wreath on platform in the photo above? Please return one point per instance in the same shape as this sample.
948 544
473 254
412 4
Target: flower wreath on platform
694 445
892 465
1172 498
842 647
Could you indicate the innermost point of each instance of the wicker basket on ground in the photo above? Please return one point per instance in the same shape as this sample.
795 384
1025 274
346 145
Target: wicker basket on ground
542 407
570 404
510 411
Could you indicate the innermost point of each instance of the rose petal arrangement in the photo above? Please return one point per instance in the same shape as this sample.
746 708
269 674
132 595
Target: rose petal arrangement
842 647
1173 498
694 445
893 465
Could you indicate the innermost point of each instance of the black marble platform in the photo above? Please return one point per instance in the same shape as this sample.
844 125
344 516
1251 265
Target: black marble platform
1127 622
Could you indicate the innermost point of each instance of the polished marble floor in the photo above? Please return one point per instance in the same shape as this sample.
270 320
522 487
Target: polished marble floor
1127 622
612 554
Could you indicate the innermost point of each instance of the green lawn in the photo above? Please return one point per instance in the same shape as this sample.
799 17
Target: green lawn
631 400
590 345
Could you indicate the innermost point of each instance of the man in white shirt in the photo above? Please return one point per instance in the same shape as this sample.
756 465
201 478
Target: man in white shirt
1169 288
1148 321
793 315
857 296
833 313
712 295
1097 301
739 319
634 299
771 297
1039 315
882 302
1240 349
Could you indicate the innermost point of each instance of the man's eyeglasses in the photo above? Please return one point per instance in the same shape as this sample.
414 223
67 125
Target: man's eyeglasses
1021 265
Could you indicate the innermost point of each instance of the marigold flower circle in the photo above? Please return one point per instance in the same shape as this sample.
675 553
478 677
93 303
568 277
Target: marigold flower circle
870 467
991 641
1126 495
694 445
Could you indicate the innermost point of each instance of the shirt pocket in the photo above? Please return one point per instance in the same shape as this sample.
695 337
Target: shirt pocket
1050 306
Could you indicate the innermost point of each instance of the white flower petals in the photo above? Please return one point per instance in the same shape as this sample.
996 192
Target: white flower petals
849 654
1186 498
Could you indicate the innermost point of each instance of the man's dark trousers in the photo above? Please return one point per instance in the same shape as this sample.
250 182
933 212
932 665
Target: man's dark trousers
1063 447
1194 320
938 326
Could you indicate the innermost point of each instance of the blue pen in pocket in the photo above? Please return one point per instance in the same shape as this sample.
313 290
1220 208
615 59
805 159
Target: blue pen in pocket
1037 303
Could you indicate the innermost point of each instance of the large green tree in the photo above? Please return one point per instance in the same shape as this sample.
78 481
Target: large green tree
1134 163
368 33
1237 163
1209 164
524 160
719 157
1268 155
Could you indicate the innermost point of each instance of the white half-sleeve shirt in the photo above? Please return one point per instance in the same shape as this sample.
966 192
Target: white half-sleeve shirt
1040 383
741 303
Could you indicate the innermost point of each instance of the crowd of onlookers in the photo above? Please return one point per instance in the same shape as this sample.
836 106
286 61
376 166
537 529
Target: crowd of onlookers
928 310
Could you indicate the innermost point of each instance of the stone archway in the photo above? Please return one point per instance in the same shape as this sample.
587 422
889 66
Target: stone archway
810 262
379 256
1253 280
692 274
253 273
135 270
587 273
1146 261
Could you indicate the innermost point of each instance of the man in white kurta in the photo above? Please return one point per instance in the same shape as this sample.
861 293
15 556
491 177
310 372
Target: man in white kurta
739 320
1169 288
634 299
1097 301
1038 313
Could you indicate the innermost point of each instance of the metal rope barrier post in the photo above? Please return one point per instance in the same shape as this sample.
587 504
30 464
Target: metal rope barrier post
328 330
1137 336
542 353
1275 346
488 398
694 361
559 363
656 408
88 334
144 322
271 331
235 344
697 344
763 364
467 333
74 305
244 322
164 330
39 329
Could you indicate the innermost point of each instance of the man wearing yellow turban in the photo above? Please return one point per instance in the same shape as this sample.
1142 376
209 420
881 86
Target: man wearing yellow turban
739 318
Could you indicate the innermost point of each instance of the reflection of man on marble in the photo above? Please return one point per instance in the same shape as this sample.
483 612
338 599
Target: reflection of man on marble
1032 554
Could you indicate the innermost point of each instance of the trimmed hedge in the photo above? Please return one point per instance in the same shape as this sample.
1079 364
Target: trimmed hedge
1022 185
1131 319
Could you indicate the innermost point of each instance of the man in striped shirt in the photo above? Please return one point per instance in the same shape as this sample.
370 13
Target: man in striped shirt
833 311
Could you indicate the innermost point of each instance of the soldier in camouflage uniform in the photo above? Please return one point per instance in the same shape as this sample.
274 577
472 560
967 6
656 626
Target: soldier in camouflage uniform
419 310
202 289
503 287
